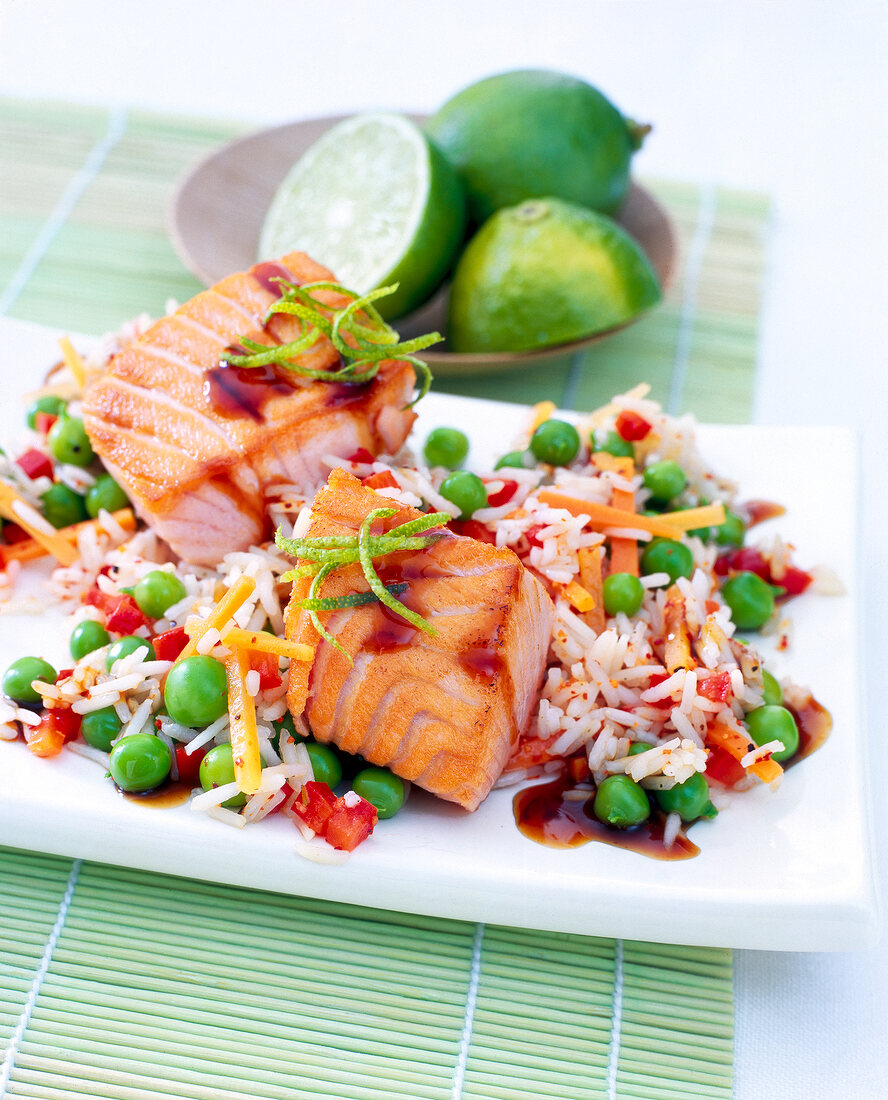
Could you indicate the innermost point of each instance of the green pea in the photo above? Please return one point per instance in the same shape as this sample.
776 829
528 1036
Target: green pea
614 444
196 691
100 727
62 506
69 442
517 460
667 556
689 799
86 637
157 591
466 491
125 646
774 723
140 762
446 447
217 769
622 592
638 746
54 406
555 442
17 679
732 532
382 788
621 803
105 494
664 480
750 599
325 763
771 689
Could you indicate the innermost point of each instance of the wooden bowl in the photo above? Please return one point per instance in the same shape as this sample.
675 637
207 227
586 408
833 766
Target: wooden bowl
218 210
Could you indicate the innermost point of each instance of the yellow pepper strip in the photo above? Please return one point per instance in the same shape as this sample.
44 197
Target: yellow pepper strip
579 597
242 713
235 597
15 508
542 411
73 362
260 641
708 515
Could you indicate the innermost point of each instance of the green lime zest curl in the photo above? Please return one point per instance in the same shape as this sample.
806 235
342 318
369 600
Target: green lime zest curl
353 599
376 585
357 331
321 556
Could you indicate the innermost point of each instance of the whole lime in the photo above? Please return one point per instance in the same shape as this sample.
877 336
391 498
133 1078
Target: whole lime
543 273
534 132
375 201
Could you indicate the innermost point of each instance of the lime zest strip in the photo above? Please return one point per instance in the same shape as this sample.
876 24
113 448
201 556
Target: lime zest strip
373 580
352 599
321 556
357 331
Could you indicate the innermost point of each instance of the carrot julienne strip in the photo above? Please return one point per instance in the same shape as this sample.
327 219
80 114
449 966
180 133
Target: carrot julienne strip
73 362
261 641
30 549
602 516
242 713
234 598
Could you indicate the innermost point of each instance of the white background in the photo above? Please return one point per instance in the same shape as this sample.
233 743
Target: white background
782 96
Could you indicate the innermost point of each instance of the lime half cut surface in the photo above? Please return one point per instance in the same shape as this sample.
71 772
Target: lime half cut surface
375 201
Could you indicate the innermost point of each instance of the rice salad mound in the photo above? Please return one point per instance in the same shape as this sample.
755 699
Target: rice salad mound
658 691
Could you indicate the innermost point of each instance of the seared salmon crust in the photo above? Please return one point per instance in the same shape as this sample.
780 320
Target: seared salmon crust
444 710
198 469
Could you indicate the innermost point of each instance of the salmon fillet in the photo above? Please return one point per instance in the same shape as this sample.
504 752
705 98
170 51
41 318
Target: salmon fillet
443 710
197 445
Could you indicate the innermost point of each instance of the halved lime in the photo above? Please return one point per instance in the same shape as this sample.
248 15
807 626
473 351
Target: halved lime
376 202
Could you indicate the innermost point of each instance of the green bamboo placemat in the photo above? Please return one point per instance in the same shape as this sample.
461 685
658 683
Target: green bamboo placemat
124 985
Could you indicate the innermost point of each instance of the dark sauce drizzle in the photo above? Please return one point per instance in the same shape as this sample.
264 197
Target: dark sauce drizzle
556 814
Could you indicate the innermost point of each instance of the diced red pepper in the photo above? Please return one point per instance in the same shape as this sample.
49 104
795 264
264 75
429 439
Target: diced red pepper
189 765
350 825
170 643
747 559
717 688
723 768
472 529
632 427
361 455
126 617
43 421
532 534
12 534
35 463
504 495
382 479
54 729
314 806
63 674
794 581
266 664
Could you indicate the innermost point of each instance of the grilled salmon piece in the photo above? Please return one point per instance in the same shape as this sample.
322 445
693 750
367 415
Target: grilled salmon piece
442 710
197 444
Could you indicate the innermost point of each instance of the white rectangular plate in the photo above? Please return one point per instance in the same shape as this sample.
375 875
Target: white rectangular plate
786 870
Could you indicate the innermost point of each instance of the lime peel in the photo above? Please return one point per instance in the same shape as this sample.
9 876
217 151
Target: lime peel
372 338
